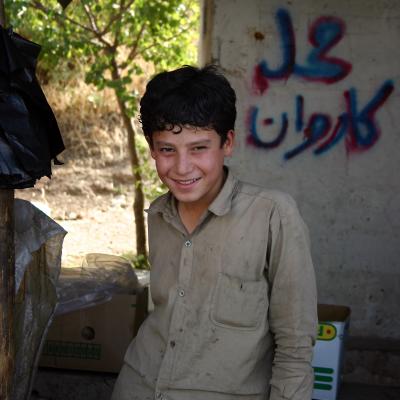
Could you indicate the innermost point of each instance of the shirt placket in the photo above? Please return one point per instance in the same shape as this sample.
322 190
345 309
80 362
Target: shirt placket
176 330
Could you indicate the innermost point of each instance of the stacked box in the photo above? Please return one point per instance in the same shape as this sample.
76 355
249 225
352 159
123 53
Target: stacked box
328 351
94 338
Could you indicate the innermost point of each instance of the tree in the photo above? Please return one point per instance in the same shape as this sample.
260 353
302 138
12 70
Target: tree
113 38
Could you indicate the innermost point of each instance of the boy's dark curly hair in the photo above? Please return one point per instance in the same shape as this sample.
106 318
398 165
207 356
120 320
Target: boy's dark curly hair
188 96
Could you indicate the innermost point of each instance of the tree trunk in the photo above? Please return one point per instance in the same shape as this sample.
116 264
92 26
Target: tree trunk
7 293
138 203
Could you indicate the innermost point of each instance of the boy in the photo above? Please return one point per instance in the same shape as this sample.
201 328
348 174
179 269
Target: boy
231 275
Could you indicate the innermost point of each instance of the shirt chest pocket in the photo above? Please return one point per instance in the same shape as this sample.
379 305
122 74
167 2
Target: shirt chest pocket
238 303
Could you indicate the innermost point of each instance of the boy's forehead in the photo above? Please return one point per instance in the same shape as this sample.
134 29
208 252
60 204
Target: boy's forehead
185 134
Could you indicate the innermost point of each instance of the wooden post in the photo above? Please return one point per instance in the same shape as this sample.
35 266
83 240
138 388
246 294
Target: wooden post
7 282
7 293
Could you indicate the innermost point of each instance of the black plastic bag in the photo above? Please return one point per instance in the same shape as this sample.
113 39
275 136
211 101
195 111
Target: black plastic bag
29 134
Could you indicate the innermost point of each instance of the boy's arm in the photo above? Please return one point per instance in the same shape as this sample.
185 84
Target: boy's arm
293 304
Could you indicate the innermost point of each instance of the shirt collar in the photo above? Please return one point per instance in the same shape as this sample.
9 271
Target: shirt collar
164 204
221 205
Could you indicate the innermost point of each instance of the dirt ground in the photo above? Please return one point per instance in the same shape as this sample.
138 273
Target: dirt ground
92 203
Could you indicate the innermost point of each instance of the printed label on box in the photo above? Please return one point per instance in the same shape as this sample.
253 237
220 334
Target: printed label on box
323 378
326 332
85 351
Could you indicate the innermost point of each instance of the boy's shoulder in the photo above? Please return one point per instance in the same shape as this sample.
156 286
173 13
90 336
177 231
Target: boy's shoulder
159 204
278 205
278 199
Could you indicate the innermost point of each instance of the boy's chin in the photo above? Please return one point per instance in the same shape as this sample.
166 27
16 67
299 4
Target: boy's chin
183 198
188 199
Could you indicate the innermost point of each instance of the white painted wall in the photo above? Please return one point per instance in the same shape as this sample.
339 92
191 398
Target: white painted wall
350 200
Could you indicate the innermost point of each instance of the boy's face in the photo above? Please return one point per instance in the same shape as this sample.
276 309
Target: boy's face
190 163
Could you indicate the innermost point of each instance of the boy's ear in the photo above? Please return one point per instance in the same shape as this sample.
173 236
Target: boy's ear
229 143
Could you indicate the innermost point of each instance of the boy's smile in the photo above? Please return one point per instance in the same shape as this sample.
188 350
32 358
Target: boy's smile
190 164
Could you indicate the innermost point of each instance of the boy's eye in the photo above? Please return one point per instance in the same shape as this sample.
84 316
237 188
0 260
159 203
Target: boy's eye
166 149
199 148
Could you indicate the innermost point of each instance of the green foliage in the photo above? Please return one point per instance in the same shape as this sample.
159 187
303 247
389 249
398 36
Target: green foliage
109 34
112 38
137 261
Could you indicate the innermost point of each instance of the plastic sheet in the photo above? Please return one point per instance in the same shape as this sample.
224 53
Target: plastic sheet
44 289
29 134
38 243
33 228
96 281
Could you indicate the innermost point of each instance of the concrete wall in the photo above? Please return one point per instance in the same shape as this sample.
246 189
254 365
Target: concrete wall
318 116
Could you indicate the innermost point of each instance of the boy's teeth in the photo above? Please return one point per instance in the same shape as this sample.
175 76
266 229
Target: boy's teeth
188 181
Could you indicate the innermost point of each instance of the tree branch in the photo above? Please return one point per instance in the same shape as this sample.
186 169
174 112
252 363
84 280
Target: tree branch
39 6
62 18
116 17
133 52
118 28
168 39
91 18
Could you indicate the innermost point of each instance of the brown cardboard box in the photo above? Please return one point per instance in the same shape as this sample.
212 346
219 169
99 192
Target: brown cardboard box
95 338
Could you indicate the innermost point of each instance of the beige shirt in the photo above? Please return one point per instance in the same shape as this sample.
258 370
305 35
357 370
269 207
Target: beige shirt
235 301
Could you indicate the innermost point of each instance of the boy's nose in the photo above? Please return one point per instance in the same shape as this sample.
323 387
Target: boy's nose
183 164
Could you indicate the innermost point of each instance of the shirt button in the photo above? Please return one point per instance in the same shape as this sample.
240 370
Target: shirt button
188 243
181 293
172 343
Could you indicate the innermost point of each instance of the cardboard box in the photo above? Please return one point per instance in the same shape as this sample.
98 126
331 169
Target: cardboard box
328 351
95 338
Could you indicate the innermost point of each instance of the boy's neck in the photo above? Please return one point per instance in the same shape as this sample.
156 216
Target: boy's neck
190 216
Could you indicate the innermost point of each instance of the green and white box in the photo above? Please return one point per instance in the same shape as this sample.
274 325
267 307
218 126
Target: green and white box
328 351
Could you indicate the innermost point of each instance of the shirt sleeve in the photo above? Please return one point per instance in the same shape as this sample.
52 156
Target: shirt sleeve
293 304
